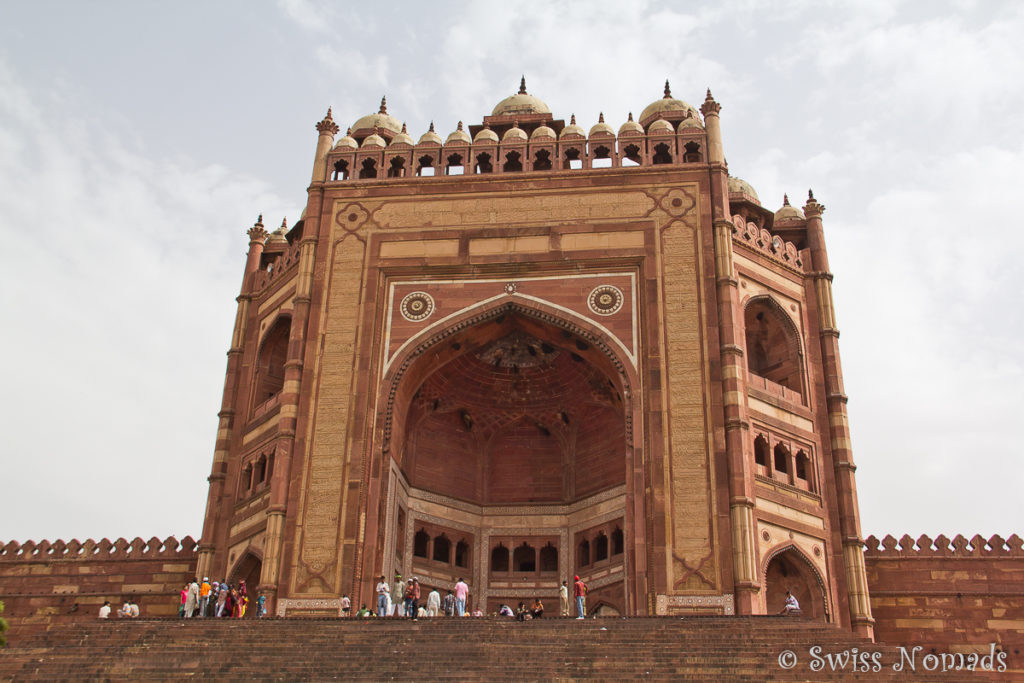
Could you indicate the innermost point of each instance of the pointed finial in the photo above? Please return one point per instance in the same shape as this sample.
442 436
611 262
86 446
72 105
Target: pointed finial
257 233
572 120
668 90
348 131
404 130
810 195
284 223
431 126
459 127
515 124
710 106
630 118
259 221
600 117
376 130
327 124
328 117
383 105
709 97
487 125
522 85
785 200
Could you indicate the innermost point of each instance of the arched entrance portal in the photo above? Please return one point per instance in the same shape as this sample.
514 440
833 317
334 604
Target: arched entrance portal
790 571
510 446
248 568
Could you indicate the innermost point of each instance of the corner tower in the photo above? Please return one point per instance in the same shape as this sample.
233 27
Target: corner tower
524 352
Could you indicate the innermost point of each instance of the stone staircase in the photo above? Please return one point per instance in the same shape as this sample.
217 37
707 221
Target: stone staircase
469 649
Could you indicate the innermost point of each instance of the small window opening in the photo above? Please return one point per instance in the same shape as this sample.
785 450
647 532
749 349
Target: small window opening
247 478
261 469
802 462
549 558
499 559
584 553
781 459
524 559
513 162
454 166
761 450
600 547
419 543
692 153
397 169
461 554
542 161
617 542
572 159
442 549
661 154
602 158
631 156
483 163
426 166
340 170
369 169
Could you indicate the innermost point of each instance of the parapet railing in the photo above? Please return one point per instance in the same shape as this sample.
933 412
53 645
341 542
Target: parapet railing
103 549
942 546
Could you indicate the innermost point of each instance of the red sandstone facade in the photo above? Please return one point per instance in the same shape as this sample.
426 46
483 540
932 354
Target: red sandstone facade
529 351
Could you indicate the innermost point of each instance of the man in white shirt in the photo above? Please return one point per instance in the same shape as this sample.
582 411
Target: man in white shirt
133 609
791 605
433 603
105 610
383 593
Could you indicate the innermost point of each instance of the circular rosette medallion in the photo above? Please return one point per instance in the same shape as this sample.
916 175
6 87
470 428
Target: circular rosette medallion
605 300
417 306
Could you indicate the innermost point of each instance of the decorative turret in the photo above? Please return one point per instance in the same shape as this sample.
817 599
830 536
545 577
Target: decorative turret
710 110
327 129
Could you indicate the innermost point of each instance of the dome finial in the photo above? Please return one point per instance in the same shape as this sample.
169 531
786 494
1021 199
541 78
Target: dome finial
630 117
348 131
459 127
404 130
327 124
328 117
600 117
284 223
572 120
259 221
668 90
383 105
709 98
522 85
431 127
785 200
515 124
810 195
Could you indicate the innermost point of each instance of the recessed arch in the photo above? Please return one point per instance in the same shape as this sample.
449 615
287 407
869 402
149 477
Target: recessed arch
787 568
773 347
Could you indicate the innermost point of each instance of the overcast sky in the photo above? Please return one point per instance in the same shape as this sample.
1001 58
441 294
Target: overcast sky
139 140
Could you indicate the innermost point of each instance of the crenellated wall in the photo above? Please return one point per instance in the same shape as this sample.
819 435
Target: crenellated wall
40 583
947 593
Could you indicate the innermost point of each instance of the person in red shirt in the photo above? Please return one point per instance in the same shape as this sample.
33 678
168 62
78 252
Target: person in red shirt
579 590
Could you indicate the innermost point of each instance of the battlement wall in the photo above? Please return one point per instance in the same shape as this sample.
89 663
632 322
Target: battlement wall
41 583
947 593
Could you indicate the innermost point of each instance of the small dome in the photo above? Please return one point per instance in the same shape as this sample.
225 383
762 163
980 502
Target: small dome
601 127
379 120
787 212
374 140
521 103
514 133
631 126
346 140
402 138
572 129
661 126
741 186
666 103
458 135
486 135
430 136
277 237
543 132
692 122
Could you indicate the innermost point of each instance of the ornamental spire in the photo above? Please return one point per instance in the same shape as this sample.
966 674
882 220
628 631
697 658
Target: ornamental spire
403 128
785 200
431 127
668 90
630 117
257 233
572 120
383 105
284 224
600 117
522 85
459 127
327 124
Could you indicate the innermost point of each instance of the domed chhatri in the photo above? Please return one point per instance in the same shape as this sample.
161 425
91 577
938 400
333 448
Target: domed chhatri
572 129
740 186
543 131
661 126
514 133
521 103
788 212
631 126
601 128
486 135
691 121
346 140
374 139
459 135
430 137
403 138
381 120
667 107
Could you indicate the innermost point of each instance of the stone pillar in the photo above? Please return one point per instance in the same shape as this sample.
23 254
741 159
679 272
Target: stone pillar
734 374
839 428
290 392
257 237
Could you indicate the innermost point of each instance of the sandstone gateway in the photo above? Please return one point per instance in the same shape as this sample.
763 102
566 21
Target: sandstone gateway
527 351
